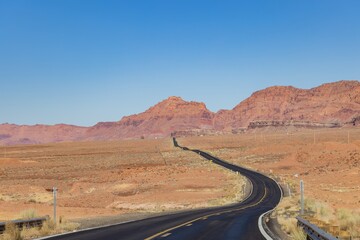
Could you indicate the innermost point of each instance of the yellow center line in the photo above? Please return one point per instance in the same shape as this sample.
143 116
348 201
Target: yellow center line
206 216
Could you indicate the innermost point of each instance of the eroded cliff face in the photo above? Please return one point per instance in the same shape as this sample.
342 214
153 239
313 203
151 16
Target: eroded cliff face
172 114
332 103
329 103
290 123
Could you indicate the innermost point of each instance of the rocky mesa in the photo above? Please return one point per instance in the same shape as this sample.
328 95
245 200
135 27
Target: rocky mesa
337 102
330 104
172 114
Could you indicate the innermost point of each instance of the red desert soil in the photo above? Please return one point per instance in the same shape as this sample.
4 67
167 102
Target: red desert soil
110 178
328 164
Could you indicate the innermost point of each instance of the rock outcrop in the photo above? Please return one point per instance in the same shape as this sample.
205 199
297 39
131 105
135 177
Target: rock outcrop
172 114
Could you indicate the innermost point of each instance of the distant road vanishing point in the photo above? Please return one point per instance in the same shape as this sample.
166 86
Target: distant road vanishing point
236 221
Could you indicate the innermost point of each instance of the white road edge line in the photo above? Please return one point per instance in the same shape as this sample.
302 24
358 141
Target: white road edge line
165 235
261 228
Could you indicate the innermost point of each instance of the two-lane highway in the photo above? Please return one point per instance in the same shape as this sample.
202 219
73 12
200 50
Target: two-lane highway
236 221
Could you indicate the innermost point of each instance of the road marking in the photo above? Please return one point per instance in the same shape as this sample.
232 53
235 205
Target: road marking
165 235
190 224
209 215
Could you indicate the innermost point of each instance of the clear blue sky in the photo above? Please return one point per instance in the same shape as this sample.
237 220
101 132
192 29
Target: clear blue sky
80 62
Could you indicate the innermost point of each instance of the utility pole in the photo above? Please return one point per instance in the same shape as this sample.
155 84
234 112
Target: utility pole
302 197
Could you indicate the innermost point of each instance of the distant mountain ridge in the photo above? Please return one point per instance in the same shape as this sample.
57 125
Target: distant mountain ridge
337 102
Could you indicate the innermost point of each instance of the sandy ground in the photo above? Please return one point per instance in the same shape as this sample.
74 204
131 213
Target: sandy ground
327 160
110 178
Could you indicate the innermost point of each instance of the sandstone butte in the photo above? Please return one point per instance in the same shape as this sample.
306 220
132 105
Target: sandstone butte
337 102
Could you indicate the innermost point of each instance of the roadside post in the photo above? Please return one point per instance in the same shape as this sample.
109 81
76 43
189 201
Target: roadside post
54 191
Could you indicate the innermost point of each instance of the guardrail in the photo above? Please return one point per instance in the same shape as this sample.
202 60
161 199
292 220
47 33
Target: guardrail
312 231
264 229
34 222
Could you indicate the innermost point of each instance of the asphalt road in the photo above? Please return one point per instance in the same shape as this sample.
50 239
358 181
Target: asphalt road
237 221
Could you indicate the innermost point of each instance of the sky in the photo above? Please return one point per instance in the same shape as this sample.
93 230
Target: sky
84 61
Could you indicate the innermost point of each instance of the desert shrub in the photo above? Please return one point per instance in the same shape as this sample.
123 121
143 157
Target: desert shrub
28 214
289 226
349 220
297 234
12 232
47 228
321 210
30 233
65 225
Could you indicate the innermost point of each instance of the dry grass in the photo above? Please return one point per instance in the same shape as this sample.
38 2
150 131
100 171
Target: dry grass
298 234
320 210
234 192
286 212
288 209
28 214
12 232
289 226
48 228
30 233
349 220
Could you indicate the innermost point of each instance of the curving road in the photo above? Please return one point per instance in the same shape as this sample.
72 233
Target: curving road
236 221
